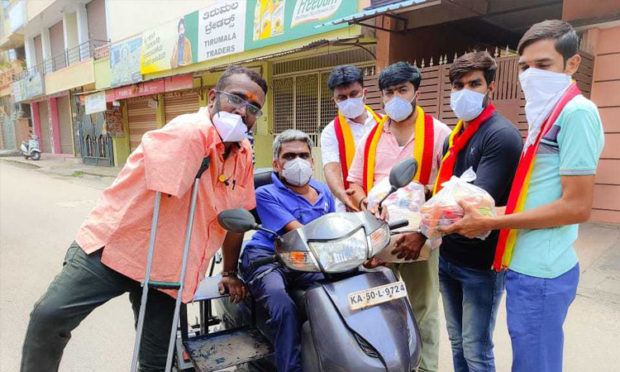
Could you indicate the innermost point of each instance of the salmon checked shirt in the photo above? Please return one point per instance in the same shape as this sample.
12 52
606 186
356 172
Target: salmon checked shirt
168 160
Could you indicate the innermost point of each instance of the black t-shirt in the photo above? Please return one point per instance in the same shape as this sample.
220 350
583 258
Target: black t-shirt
493 152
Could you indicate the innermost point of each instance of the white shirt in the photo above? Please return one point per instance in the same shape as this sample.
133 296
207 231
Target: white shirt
330 152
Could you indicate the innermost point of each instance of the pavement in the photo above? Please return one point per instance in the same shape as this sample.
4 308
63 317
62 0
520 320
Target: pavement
43 203
60 165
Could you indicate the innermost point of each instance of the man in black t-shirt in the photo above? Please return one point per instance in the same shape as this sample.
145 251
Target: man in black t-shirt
491 145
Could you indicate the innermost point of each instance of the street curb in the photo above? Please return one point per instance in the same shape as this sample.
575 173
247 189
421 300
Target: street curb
9 153
33 164
59 171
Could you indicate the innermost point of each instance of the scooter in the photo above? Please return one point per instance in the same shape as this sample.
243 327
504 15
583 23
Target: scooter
355 319
30 148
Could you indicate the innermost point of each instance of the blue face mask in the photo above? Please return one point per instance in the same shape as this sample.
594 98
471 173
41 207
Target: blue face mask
398 108
467 104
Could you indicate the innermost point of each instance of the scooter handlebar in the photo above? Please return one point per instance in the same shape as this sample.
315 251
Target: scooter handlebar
398 224
255 264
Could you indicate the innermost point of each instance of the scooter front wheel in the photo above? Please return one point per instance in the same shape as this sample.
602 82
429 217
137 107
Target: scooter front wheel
36 155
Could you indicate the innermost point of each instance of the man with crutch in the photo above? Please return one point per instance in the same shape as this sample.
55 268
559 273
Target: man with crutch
109 255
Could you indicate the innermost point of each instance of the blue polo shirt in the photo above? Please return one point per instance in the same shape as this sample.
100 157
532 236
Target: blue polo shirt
278 205
572 147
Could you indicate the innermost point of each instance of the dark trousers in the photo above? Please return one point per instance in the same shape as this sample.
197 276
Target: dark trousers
84 284
470 300
270 292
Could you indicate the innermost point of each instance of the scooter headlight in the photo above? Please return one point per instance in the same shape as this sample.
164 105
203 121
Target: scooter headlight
342 255
300 261
379 239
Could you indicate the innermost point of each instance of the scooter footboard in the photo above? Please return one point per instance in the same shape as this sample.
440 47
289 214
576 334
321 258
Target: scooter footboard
377 338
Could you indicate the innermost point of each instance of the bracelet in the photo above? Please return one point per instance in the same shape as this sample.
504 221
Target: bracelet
229 273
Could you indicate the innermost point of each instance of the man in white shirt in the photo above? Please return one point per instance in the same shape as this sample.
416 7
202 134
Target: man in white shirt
341 137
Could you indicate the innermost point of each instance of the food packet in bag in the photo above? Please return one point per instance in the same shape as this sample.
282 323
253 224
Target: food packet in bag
443 210
406 204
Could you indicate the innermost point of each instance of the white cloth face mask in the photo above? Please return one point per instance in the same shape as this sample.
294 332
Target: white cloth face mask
542 90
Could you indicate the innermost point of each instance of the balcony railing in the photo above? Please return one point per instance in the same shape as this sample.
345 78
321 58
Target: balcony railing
90 49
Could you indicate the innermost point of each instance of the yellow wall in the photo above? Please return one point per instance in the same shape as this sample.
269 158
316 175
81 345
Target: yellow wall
76 75
103 74
263 138
121 144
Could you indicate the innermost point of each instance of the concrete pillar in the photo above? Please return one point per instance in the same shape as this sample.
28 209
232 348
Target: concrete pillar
69 28
82 31
31 57
55 126
36 123
47 50
65 28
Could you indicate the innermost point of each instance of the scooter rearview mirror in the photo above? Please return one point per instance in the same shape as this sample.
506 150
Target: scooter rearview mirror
400 176
237 220
402 173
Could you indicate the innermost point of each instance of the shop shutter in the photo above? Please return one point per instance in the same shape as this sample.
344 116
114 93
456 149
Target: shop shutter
179 103
141 119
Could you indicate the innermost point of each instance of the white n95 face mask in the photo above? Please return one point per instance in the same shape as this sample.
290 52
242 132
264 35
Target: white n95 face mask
230 127
398 108
467 104
351 107
297 172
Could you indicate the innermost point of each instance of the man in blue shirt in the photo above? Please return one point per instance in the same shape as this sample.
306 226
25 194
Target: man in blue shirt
542 277
291 201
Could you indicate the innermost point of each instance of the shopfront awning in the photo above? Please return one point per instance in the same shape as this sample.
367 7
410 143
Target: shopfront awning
389 11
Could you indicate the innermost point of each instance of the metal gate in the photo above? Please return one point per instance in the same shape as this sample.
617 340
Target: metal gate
301 98
304 102
95 145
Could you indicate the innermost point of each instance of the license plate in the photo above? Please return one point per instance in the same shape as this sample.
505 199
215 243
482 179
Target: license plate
377 295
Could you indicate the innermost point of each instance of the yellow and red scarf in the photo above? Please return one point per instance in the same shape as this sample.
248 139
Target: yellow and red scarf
458 141
422 149
518 191
346 143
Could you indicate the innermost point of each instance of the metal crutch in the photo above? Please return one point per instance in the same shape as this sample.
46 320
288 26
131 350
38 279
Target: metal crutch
148 283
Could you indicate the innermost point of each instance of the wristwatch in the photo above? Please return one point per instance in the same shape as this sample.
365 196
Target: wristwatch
229 273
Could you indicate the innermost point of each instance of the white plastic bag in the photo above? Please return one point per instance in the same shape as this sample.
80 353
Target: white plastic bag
405 203
443 210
